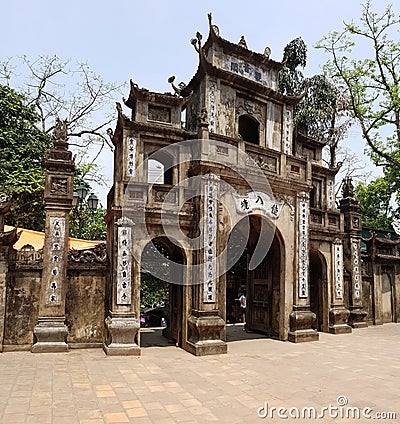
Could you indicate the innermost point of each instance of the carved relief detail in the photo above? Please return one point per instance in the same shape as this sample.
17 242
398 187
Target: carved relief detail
59 185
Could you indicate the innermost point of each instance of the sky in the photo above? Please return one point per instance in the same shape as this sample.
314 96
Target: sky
148 41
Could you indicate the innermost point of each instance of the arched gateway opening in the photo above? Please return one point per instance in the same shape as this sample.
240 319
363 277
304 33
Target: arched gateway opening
262 284
161 300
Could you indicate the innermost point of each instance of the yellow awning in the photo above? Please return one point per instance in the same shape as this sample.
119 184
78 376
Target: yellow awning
36 239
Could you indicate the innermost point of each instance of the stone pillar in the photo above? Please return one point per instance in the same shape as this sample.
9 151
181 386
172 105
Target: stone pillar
51 331
205 325
122 322
7 239
338 313
352 263
302 318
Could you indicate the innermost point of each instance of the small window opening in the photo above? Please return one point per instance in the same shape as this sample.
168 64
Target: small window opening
249 129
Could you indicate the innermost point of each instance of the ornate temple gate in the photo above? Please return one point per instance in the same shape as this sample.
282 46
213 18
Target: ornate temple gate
264 281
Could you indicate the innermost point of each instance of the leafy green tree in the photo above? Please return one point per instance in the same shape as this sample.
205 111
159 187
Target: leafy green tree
22 153
153 291
291 79
321 113
54 89
87 224
84 222
372 83
375 203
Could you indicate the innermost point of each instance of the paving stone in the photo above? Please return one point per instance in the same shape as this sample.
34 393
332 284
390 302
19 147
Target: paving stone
223 388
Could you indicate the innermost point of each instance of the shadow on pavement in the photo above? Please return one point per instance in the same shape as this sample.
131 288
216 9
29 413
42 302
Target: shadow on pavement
235 332
152 336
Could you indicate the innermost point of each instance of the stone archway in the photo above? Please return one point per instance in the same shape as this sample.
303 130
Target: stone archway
318 290
263 283
157 259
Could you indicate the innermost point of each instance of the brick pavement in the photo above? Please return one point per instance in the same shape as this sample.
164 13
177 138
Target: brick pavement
168 385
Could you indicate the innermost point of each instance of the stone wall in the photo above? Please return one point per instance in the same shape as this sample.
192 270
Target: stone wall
85 298
85 305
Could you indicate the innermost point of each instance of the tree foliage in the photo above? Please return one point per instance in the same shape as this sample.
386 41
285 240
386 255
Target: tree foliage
375 203
321 113
22 153
56 87
51 87
153 292
84 222
87 224
291 79
371 83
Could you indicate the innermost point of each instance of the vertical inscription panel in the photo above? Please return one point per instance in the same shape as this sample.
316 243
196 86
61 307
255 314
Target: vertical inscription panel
209 242
56 266
212 105
303 246
338 268
124 266
130 157
288 133
331 193
356 268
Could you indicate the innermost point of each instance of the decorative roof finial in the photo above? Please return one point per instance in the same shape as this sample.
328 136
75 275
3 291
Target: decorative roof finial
348 188
242 42
60 134
213 28
196 42
178 88
267 52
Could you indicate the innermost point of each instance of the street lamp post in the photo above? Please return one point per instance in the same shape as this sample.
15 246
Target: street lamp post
79 197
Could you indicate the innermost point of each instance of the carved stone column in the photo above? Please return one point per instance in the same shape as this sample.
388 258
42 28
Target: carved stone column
205 324
7 239
352 263
122 323
302 318
338 313
51 331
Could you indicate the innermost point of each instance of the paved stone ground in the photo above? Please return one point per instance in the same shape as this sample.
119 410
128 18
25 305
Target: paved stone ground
168 385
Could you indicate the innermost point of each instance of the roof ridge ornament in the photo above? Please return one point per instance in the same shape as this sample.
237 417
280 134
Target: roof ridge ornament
196 42
213 28
242 42
267 52
119 110
178 89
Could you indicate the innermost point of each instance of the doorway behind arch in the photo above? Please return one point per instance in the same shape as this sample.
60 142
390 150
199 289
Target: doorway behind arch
387 299
261 285
161 302
318 290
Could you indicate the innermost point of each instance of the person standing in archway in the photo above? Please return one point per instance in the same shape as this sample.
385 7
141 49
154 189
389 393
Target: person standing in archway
242 304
